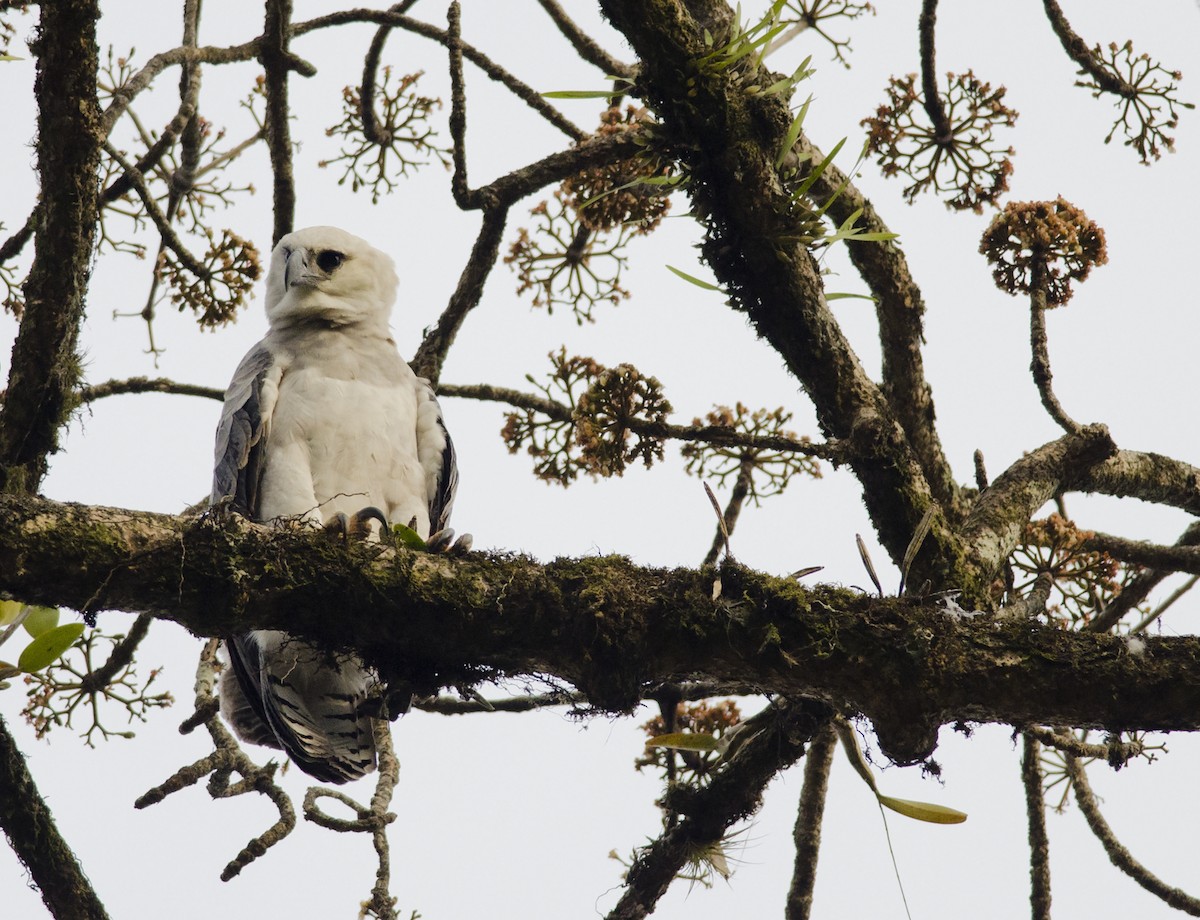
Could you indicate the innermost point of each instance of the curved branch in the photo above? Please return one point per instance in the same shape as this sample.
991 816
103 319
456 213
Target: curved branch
996 523
729 142
1121 857
147 385
277 63
34 837
777 738
932 101
1039 346
899 310
522 91
1077 49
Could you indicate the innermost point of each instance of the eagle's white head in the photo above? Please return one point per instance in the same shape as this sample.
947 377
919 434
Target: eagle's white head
328 274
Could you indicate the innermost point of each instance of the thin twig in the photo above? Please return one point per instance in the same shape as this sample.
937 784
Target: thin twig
807 834
585 46
1039 840
431 354
226 759
147 385
159 219
1117 853
1115 753
942 131
522 91
120 657
1040 362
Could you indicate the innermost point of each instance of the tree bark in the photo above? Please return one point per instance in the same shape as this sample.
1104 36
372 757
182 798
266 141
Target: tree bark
612 629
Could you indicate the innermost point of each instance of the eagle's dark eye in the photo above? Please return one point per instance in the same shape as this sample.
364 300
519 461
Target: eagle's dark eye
329 259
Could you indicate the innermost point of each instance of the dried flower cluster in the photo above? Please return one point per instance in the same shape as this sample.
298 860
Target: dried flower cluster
966 162
627 191
814 15
10 286
401 138
770 470
1048 242
565 262
610 412
63 692
219 289
1085 581
707 717
1144 88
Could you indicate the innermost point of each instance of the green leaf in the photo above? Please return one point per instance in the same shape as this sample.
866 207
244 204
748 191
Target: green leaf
48 646
408 536
9 611
688 741
40 620
923 811
793 132
844 295
696 281
816 173
583 94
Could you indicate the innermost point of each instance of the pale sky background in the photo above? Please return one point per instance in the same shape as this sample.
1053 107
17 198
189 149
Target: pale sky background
513 816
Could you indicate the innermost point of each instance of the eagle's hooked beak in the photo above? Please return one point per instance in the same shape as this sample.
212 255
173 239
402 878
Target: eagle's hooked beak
298 271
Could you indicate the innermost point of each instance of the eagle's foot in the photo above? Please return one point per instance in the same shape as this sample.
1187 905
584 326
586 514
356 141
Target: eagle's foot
443 542
356 526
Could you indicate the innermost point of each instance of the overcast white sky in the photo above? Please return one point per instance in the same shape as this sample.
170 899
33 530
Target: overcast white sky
513 816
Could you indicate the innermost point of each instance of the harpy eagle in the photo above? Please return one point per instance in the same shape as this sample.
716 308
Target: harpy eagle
324 422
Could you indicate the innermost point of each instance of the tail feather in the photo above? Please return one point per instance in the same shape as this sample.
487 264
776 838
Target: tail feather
315 705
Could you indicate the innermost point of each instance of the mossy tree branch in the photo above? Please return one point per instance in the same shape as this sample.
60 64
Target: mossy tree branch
612 629
729 140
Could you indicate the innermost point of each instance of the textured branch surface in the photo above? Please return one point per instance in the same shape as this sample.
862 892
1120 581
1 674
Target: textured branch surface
31 831
608 627
729 141
44 367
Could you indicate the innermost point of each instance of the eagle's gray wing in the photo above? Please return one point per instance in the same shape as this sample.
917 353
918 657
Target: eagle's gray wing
245 419
435 450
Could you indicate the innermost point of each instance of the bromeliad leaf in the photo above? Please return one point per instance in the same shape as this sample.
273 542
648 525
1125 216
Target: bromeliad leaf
689 741
694 280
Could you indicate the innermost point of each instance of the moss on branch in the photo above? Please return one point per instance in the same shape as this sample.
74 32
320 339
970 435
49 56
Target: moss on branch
609 627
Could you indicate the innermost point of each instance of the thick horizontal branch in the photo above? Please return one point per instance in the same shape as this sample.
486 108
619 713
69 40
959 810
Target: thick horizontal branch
610 628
